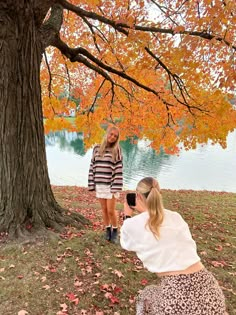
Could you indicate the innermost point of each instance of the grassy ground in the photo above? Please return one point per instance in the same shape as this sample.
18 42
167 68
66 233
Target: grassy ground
80 273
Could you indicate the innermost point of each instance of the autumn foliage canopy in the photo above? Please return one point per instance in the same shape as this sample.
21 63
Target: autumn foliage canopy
162 70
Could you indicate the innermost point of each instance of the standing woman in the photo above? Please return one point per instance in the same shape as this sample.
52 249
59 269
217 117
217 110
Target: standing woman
106 178
163 242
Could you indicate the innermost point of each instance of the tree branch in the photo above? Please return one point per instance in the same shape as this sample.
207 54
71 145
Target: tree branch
41 8
175 77
122 27
68 76
63 47
77 54
74 54
91 108
90 26
52 26
80 12
50 75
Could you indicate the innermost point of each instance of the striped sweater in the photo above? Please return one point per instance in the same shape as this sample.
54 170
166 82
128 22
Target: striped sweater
104 171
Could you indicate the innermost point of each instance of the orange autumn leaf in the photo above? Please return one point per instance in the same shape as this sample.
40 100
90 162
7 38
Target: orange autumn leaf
154 75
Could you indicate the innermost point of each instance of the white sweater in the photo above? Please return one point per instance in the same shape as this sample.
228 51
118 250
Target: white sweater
174 250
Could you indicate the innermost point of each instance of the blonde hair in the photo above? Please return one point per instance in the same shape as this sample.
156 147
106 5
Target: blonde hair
114 147
149 188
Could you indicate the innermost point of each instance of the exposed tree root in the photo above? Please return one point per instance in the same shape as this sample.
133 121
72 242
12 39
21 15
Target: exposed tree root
44 224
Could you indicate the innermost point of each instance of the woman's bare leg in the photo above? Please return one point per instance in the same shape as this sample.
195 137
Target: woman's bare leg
111 210
105 215
106 220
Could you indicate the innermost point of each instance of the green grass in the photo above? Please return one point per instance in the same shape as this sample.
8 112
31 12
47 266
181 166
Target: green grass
69 119
81 272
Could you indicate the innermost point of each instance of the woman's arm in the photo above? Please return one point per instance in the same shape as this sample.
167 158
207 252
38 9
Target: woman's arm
91 183
127 240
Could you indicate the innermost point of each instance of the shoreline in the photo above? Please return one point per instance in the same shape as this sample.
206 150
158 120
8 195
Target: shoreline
164 190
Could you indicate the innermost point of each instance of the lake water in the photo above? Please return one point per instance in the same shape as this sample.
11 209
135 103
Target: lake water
206 168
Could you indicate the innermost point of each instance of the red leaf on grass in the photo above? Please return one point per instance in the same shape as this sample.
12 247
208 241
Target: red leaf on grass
112 298
71 296
76 301
117 290
104 287
219 248
216 263
144 281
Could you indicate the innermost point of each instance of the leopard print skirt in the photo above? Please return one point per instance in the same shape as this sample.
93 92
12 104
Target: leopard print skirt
191 294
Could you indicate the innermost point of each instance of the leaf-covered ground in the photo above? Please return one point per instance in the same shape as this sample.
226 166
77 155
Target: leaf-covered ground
80 273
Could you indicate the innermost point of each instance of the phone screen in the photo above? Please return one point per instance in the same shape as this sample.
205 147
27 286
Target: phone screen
131 199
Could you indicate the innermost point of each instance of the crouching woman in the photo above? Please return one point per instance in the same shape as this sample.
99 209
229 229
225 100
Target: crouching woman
163 242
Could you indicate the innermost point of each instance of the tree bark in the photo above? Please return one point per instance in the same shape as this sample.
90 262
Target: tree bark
25 192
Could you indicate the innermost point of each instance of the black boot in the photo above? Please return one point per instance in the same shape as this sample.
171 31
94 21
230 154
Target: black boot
114 236
108 233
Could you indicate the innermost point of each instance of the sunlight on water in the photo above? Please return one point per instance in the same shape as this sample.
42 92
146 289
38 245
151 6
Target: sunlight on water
206 168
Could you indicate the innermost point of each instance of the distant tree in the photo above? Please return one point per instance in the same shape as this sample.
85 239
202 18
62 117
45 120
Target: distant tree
157 76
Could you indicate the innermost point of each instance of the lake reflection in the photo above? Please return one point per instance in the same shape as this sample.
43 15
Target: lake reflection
206 168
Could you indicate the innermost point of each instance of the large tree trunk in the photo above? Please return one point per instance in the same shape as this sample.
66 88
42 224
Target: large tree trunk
25 191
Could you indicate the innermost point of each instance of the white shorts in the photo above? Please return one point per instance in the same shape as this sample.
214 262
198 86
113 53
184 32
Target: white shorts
104 192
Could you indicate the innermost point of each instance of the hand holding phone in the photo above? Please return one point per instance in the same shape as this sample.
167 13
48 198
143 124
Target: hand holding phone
136 202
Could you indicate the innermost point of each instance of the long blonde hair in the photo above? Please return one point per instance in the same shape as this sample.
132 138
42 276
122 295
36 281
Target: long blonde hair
114 147
149 188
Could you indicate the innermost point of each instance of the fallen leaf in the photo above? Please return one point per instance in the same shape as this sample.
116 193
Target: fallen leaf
76 301
219 248
71 296
104 287
107 295
98 274
118 273
117 290
78 283
89 269
112 298
144 281
43 279
216 263
64 307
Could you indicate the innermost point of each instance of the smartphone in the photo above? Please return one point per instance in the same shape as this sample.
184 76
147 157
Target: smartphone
131 199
